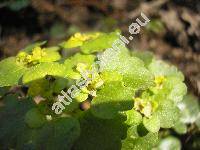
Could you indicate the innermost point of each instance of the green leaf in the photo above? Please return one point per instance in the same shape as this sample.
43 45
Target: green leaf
111 76
79 58
57 134
134 141
52 49
10 72
170 143
100 43
152 124
50 56
34 118
167 113
133 117
12 119
132 69
41 70
189 109
111 99
59 84
172 89
71 62
40 87
81 97
160 68
180 127
177 91
146 56
79 39
111 58
100 134
30 47
74 105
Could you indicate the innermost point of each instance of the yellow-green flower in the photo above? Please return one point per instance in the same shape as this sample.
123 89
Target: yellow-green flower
93 78
32 58
81 67
38 53
159 81
145 106
77 39
84 37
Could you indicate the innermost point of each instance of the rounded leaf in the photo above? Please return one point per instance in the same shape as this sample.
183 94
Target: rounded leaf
152 124
34 118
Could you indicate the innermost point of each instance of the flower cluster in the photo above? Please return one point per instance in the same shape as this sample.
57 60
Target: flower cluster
31 59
